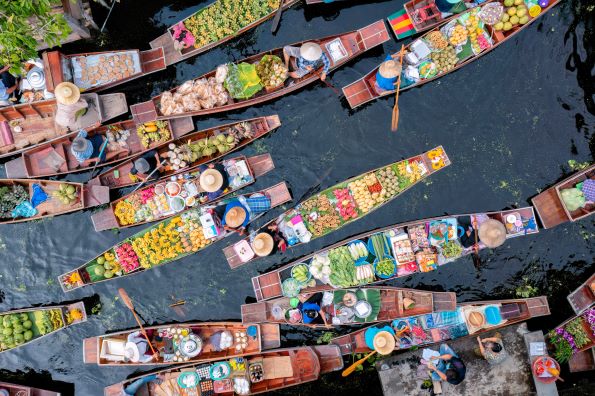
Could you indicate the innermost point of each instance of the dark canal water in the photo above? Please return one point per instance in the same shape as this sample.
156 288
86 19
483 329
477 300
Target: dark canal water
510 123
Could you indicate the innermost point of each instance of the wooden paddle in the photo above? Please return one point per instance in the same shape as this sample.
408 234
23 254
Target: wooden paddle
149 176
277 17
328 84
355 365
395 120
128 302
103 147
476 259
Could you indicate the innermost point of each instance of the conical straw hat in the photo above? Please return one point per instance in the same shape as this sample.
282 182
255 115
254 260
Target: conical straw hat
67 93
492 233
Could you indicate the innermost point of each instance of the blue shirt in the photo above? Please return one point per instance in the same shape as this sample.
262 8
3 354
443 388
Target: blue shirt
302 63
309 307
3 94
233 204
388 84
85 155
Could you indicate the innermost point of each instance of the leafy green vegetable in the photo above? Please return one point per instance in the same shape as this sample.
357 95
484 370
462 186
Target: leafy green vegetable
242 81
342 267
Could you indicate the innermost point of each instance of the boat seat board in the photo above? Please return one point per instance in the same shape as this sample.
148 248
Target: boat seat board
583 297
104 220
549 208
15 169
444 301
113 105
152 60
170 54
96 195
270 334
267 286
538 306
582 361
90 350
181 126
358 93
254 313
261 164
374 34
143 112
330 358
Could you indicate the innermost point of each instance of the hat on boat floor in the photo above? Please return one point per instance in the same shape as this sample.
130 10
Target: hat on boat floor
310 51
211 180
235 216
80 144
132 352
390 69
384 343
67 93
492 233
263 244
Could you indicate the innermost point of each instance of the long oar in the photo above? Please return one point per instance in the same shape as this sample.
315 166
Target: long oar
476 259
128 303
328 84
395 120
277 17
355 365
103 147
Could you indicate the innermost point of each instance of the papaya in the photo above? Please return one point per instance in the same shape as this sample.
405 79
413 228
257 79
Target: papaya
150 128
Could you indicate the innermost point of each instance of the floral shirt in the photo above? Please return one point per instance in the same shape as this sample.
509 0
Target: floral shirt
326 63
495 357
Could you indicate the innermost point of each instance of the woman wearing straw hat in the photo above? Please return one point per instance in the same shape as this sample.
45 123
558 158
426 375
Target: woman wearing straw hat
238 212
310 57
70 105
492 233
84 148
387 74
213 180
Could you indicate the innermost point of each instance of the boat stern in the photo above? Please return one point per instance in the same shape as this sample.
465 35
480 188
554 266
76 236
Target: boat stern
91 350
95 195
330 358
16 169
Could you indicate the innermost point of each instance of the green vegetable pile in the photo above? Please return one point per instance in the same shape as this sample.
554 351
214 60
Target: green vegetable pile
242 81
451 249
385 267
300 273
10 197
343 272
16 330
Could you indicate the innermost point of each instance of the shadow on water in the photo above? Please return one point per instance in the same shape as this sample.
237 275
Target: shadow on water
510 122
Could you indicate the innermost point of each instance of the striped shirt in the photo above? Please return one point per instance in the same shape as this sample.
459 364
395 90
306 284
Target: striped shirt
326 63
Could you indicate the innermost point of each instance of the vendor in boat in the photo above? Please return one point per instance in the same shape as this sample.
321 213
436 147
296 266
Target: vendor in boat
84 148
8 86
137 349
146 166
135 386
238 212
311 309
70 104
213 180
269 241
387 74
310 58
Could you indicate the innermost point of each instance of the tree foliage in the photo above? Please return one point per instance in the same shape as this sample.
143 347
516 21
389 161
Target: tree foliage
22 23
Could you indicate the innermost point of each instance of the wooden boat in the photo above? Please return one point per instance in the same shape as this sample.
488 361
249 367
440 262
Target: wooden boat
22 390
571 327
33 162
106 350
173 55
345 47
117 176
36 121
408 244
254 167
424 330
164 242
350 306
86 197
37 323
582 361
127 65
280 369
365 89
551 208
584 296
325 212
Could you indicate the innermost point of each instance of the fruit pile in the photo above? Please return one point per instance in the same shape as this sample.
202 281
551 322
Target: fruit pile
159 244
516 14
437 40
458 36
345 204
66 193
106 266
127 257
153 132
125 212
476 36
272 71
445 60
15 330
300 273
192 235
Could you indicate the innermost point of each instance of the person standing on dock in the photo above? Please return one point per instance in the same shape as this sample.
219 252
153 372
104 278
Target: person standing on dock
309 58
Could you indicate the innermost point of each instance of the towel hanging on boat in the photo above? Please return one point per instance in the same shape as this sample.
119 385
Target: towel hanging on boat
39 196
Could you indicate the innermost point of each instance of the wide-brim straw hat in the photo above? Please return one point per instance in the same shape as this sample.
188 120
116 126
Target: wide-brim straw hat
310 51
263 244
492 233
477 319
235 216
211 180
384 343
80 144
142 165
67 93
390 69
131 352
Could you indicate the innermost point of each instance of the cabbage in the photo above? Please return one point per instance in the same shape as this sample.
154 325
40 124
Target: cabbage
242 81
573 198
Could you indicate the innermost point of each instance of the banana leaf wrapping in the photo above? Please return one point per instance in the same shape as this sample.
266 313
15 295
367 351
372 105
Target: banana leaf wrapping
242 81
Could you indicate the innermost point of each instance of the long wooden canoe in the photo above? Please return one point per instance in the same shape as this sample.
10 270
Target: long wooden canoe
424 330
38 323
59 67
36 121
87 197
365 89
165 244
406 247
584 296
320 214
346 47
579 321
385 303
257 166
117 176
551 208
173 55
106 350
283 368
22 390
32 162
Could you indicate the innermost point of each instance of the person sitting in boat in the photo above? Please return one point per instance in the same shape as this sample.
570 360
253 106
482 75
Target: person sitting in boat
145 166
137 348
492 349
387 74
310 57
136 385
449 368
238 212
311 309
84 148
213 180
8 86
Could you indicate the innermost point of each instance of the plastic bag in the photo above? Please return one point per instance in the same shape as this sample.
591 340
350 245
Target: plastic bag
573 198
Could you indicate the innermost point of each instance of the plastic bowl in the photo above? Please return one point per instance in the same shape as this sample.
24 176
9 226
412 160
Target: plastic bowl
383 276
177 204
542 359
172 189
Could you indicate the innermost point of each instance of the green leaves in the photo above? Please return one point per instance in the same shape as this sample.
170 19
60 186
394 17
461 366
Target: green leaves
22 23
